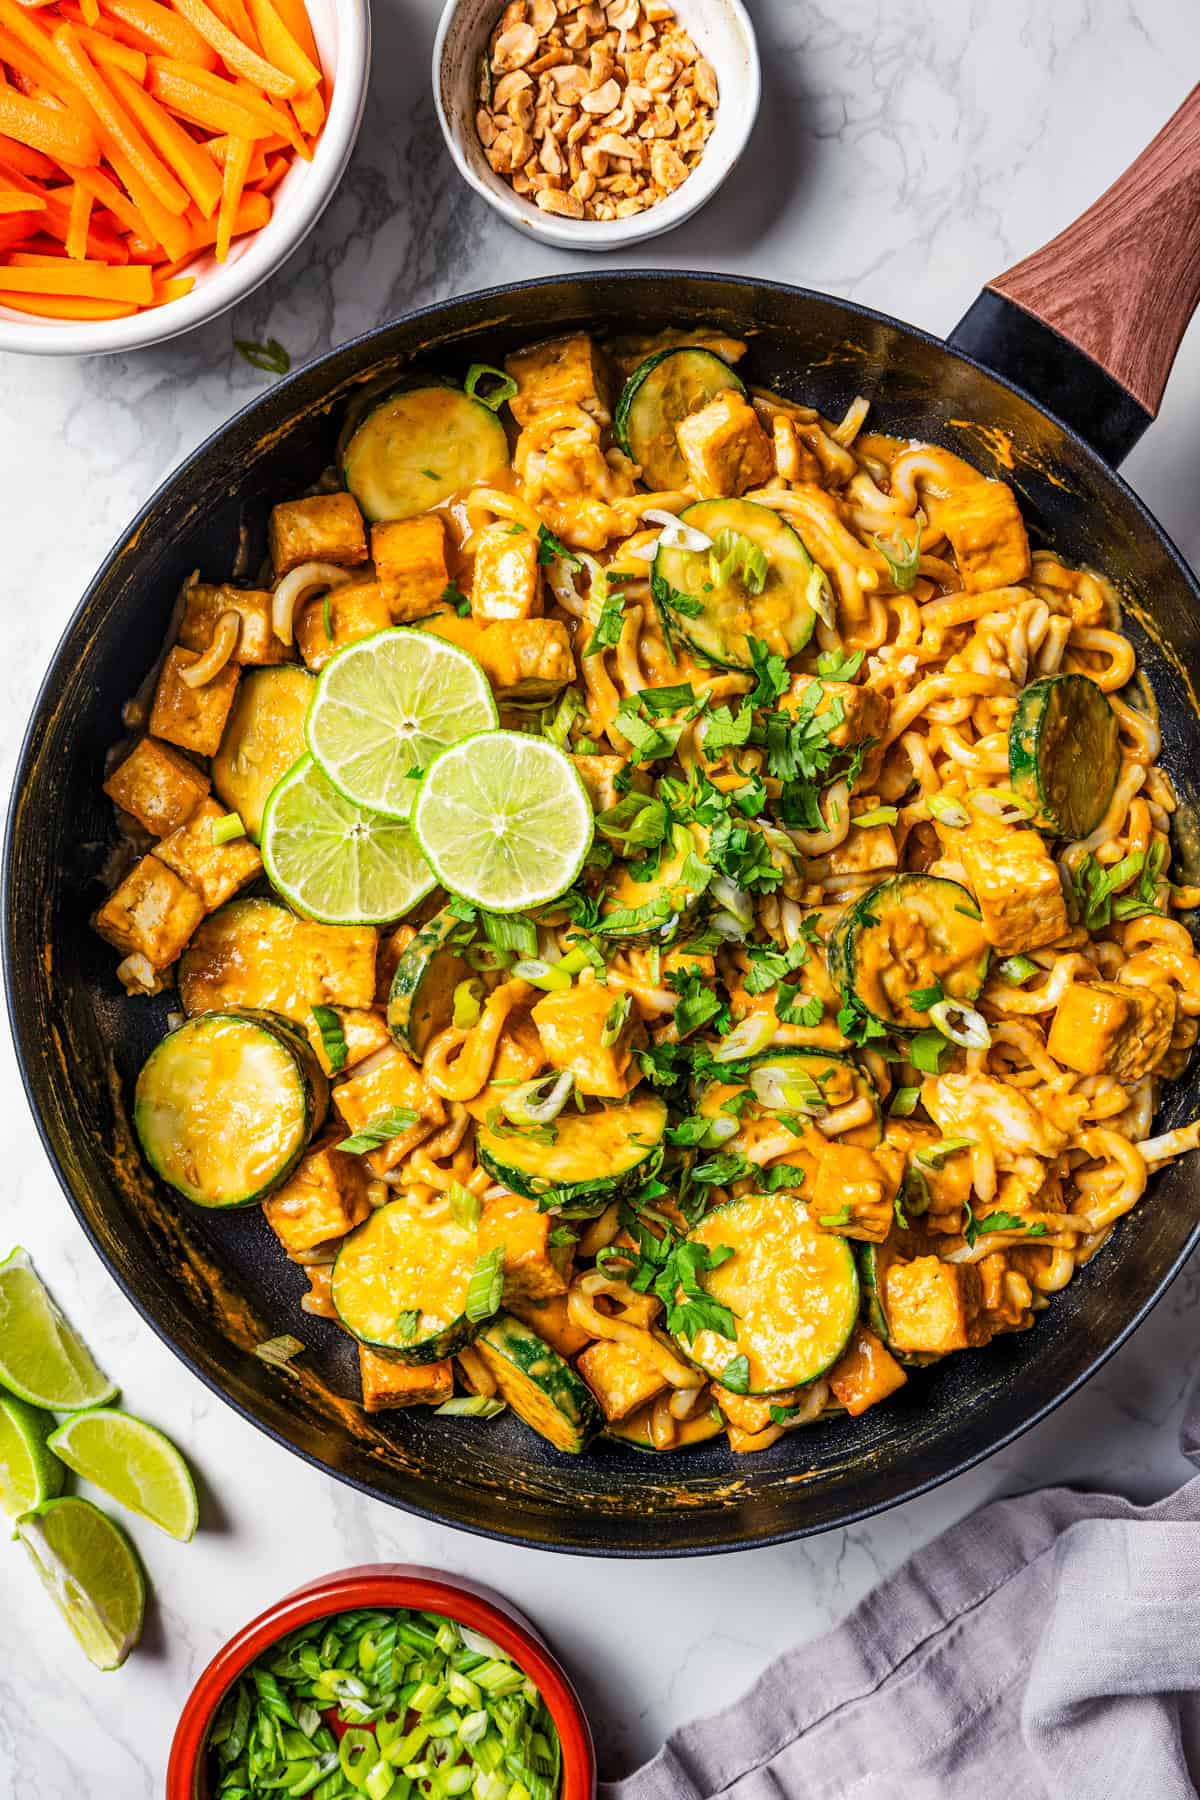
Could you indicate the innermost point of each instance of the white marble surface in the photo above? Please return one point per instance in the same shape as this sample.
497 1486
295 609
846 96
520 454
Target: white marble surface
904 154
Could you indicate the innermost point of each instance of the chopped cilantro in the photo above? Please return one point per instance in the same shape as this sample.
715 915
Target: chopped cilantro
552 549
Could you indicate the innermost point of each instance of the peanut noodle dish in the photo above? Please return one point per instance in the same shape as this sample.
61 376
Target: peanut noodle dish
668 896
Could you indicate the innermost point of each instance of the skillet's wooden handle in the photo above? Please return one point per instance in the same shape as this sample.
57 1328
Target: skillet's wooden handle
1123 281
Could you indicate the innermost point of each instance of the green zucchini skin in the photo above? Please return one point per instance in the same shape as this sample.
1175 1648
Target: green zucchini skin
264 736
793 1290
782 616
418 445
421 999
399 1261
539 1385
664 389
873 1260
595 1156
860 949
1063 753
191 1136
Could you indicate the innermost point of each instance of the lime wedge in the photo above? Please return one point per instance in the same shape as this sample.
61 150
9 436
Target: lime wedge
504 819
29 1473
90 1570
133 1463
41 1358
335 861
385 706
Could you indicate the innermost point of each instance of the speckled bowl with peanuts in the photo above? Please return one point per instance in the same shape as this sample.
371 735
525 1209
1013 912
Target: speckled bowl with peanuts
596 125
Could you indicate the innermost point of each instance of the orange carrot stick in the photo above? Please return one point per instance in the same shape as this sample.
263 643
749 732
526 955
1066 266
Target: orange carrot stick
236 55
218 147
26 161
61 307
186 157
13 231
90 10
87 280
252 215
43 127
281 48
159 31
38 68
171 229
118 129
173 289
232 183
294 14
34 35
12 200
105 49
79 218
310 112
212 103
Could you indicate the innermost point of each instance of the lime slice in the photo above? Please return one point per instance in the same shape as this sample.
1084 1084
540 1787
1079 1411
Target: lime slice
133 1463
386 706
90 1570
29 1473
504 819
41 1358
335 861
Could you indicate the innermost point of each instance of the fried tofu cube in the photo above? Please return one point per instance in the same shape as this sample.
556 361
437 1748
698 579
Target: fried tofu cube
152 914
599 777
983 524
323 528
867 849
862 713
357 610
160 788
507 582
532 1270
341 962
572 1024
552 1322
750 1414
193 718
394 1081
560 372
216 871
933 1307
621 1379
256 642
725 448
853 1193
387 1384
410 565
865 1373
1110 1028
324 1199
524 659
1017 885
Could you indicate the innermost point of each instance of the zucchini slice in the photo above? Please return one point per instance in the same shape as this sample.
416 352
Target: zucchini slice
873 1263
400 1282
673 903
421 1001
419 445
226 1105
1063 753
909 933
591 1157
665 388
540 1387
792 1289
263 737
783 615
792 1080
256 953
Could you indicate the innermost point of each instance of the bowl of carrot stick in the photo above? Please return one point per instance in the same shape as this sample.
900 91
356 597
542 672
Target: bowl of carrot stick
161 158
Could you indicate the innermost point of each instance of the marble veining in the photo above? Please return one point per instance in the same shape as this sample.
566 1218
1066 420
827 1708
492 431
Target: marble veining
903 155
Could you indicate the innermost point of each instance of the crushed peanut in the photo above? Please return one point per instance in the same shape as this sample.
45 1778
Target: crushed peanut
594 111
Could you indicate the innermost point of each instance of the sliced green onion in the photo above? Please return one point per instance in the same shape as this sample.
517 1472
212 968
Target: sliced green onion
733 554
615 1020
484 1292
878 815
471 1406
961 1024
333 1038
495 397
1001 803
1017 969
466 1206
783 1089
378 1130
904 1102
948 811
748 1037
550 977
719 1131
539 1101
902 557
225 829
933 1156
278 1351
468 1003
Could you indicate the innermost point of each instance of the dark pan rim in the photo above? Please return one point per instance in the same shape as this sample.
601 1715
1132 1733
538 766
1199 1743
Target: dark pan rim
584 281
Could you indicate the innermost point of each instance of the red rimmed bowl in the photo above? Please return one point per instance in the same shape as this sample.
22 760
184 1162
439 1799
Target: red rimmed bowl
377 1585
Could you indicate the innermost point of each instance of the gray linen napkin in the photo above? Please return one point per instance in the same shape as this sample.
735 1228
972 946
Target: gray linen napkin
1047 1646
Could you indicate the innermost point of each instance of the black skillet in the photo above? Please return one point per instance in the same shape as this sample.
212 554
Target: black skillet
1089 326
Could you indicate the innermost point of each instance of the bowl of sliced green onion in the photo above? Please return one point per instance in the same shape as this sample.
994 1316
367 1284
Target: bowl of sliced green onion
389 1682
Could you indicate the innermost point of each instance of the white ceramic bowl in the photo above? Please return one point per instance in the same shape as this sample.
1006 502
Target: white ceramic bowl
723 33
342 29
